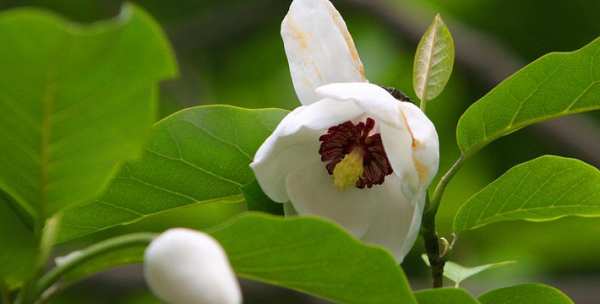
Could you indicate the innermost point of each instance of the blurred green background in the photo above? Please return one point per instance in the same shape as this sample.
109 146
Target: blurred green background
230 51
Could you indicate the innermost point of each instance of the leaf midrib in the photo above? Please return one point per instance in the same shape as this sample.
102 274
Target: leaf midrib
429 60
512 127
48 101
516 127
89 229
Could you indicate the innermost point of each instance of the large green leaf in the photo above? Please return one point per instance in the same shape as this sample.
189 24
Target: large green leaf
525 294
543 189
313 256
302 253
198 155
75 101
445 296
434 61
555 85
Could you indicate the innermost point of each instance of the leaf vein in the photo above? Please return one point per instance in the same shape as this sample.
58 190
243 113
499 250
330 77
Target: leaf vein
196 167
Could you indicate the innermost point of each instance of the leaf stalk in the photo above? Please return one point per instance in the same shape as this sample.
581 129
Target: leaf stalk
85 255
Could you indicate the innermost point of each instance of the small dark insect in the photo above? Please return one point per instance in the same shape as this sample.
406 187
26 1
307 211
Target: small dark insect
398 94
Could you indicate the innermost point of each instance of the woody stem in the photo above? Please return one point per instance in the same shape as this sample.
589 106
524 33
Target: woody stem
435 255
432 247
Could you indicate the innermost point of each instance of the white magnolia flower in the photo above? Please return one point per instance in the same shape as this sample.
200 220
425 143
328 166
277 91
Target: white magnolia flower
352 152
183 266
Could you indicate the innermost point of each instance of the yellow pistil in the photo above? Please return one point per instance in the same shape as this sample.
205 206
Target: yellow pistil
347 172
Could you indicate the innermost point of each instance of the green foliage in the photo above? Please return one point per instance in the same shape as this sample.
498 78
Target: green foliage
434 61
525 294
444 296
314 256
555 85
198 155
76 101
305 254
520 294
119 74
458 273
543 189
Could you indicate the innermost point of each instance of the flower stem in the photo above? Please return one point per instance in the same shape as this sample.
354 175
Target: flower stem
52 276
428 228
436 198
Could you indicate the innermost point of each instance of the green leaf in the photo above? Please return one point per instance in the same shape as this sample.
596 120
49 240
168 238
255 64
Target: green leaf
525 294
313 256
257 200
555 85
458 273
18 242
76 101
434 61
198 155
444 296
543 189
307 254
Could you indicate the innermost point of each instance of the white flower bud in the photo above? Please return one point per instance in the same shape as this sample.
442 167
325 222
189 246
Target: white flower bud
183 266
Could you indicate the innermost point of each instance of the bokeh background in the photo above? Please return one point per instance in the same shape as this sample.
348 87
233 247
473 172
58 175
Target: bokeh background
230 51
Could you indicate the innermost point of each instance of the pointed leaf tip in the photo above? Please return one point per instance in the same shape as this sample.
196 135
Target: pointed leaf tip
434 61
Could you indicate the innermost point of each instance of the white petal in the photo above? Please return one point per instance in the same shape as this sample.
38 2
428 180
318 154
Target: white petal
426 146
183 266
295 143
319 48
312 192
398 142
396 223
375 101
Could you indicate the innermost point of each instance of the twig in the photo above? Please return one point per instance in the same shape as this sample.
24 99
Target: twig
432 246
436 256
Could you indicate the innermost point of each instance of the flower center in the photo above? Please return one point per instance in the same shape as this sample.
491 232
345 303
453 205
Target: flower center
354 156
348 171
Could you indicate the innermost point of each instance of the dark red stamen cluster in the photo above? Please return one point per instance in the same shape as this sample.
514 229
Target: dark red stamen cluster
346 137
